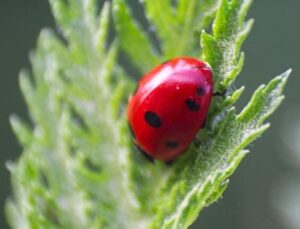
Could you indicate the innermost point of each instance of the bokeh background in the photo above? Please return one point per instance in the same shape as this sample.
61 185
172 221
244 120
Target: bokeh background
265 190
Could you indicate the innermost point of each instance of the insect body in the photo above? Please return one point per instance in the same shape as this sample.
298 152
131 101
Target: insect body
170 106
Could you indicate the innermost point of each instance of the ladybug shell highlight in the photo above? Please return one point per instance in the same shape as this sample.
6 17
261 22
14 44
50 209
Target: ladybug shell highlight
170 106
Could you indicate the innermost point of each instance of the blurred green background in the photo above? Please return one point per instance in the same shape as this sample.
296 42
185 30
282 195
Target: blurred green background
255 197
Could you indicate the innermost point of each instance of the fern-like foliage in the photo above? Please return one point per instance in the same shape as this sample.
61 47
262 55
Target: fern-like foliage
79 168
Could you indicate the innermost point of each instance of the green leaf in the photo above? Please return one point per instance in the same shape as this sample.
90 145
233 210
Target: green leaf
222 49
21 130
70 102
264 101
177 28
79 167
204 178
133 39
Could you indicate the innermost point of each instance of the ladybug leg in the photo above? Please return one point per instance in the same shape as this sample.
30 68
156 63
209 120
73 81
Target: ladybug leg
169 163
204 123
139 148
150 159
131 130
220 93
197 142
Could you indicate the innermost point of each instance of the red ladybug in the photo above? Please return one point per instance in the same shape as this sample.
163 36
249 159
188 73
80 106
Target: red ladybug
170 106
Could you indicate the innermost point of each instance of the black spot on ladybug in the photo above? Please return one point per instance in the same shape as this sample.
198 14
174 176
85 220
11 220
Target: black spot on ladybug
131 131
152 119
200 91
171 144
192 104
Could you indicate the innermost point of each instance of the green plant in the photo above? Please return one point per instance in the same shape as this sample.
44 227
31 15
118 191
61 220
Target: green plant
79 168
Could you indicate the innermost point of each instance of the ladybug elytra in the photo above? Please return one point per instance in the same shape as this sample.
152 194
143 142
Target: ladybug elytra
170 106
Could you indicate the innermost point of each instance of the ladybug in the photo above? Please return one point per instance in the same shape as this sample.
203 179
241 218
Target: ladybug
170 106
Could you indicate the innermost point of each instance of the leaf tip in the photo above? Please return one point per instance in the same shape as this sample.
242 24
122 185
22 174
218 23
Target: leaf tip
10 166
281 80
286 74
